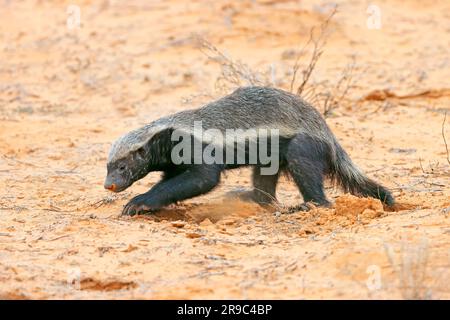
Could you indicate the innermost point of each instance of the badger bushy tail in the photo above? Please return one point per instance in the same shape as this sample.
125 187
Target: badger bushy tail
353 180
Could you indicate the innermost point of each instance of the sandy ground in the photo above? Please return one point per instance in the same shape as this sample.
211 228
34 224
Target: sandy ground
67 93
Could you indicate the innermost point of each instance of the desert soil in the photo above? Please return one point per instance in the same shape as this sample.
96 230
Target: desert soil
67 91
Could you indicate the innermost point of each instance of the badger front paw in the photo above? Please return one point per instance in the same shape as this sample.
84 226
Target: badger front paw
138 205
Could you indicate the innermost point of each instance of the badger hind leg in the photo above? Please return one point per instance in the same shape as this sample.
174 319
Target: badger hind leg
308 162
264 187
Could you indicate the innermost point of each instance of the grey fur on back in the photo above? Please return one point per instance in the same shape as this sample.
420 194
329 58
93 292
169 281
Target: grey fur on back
245 108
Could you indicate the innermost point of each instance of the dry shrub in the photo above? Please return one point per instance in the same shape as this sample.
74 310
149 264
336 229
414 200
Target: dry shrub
328 97
234 73
322 94
325 95
318 43
411 269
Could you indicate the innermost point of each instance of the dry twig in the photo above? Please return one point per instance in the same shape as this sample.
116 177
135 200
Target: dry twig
318 44
233 72
443 137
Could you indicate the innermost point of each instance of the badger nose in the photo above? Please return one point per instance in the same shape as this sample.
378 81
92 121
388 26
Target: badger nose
110 187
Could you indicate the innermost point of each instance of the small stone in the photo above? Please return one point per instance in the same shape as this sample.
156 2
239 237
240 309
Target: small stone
228 222
178 224
193 235
130 248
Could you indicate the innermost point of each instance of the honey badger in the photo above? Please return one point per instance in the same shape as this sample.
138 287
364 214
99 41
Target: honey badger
308 152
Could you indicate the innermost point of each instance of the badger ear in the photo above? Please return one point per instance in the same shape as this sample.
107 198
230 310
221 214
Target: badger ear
141 152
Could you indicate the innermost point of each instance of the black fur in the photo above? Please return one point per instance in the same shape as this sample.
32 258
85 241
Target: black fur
264 186
343 172
193 181
308 162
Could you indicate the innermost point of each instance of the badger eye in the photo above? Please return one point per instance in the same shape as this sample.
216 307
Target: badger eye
122 168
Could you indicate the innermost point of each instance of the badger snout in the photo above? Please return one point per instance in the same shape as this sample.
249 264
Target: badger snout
115 183
110 187
110 184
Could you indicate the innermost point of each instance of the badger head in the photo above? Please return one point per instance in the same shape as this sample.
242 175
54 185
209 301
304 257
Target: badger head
128 159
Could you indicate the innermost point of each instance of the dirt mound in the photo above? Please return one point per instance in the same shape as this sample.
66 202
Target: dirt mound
230 213
348 211
355 208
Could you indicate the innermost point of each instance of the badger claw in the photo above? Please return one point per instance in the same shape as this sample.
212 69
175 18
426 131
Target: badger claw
136 206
